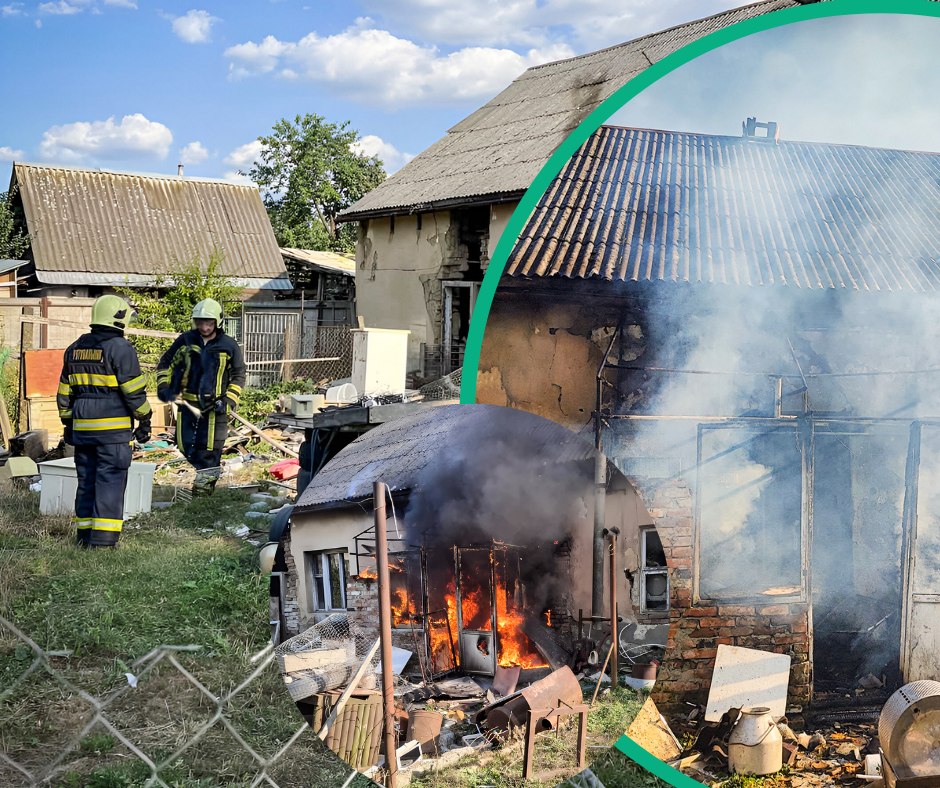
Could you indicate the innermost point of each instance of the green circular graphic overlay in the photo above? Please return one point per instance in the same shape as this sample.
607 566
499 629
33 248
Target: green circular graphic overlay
655 72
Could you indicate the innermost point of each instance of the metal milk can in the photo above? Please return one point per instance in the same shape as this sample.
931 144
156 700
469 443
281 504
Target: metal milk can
755 745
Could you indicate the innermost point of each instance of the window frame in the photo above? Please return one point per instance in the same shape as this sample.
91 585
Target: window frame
804 444
649 571
320 559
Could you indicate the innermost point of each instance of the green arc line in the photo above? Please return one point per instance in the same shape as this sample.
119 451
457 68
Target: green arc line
570 146
621 96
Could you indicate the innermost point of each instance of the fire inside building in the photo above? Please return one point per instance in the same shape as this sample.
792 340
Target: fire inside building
491 544
751 325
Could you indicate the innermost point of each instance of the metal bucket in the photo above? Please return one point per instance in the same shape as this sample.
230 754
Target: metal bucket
643 670
909 730
424 727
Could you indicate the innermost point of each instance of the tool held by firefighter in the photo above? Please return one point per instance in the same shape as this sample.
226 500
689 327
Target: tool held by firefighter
203 372
101 393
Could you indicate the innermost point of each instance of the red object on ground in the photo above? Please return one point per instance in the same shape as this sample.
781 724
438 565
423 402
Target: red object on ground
285 469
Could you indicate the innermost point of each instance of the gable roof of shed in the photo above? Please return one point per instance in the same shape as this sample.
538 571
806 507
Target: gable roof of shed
636 205
495 153
90 226
397 451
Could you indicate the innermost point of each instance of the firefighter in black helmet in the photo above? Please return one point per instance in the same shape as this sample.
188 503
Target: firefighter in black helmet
206 369
101 393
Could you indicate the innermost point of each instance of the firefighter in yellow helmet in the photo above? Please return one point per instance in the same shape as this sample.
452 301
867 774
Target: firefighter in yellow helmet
101 393
206 368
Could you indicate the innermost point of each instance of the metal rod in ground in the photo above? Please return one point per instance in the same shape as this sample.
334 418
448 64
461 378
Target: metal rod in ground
614 639
385 631
600 678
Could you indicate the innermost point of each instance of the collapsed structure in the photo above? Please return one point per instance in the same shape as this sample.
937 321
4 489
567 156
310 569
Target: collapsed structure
749 322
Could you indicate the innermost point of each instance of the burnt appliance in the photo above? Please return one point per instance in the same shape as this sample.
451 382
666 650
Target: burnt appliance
909 733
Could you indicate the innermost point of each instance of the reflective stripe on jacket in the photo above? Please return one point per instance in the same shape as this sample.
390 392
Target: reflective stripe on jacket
101 389
203 373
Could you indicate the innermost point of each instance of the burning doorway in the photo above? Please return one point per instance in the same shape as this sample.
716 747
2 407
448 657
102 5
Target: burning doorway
471 603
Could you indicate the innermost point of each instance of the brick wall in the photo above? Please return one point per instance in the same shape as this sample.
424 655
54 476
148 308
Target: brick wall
291 606
362 609
696 631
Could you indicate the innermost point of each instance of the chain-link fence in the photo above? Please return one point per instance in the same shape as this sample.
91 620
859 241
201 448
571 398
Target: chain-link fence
321 354
156 724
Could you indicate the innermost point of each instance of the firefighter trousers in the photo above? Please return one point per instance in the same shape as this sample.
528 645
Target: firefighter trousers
99 500
202 441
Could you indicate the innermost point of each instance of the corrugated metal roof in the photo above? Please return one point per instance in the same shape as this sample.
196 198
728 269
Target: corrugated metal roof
499 149
640 205
111 223
329 261
396 452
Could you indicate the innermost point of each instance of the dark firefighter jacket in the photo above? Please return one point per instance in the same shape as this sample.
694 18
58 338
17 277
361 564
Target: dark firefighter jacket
203 373
101 389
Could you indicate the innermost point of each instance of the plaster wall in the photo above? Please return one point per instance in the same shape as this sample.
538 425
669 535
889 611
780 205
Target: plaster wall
331 529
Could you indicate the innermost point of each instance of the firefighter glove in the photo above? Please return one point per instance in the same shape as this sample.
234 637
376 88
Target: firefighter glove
142 433
220 406
165 395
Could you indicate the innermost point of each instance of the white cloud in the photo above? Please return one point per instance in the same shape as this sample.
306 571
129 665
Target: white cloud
588 24
194 27
369 65
14 9
134 137
392 159
62 8
8 154
244 156
121 3
38 23
194 153
238 177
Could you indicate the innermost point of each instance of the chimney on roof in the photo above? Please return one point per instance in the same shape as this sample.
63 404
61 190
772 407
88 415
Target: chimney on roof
750 127
179 170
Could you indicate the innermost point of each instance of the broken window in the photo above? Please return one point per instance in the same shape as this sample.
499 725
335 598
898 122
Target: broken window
326 574
750 513
654 576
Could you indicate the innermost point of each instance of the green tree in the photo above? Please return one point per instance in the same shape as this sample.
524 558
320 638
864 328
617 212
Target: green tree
169 305
13 239
308 173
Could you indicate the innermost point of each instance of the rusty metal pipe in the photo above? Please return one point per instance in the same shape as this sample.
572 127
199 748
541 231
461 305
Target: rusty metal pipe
615 640
385 631
600 500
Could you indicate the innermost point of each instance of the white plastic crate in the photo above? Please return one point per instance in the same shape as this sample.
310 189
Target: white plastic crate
60 482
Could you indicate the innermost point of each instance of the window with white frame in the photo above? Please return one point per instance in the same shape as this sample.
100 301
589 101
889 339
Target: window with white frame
654 576
326 576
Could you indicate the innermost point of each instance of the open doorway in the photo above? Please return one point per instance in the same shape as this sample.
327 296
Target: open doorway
858 505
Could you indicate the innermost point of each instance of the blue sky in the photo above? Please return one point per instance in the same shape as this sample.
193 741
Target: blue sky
136 85
866 80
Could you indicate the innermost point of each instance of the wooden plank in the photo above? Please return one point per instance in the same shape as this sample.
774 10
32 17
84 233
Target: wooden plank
6 429
51 321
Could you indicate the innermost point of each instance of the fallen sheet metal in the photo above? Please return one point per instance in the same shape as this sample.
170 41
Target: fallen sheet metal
746 677
653 734
505 680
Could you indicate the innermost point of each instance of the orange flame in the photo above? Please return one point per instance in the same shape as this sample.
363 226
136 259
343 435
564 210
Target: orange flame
548 617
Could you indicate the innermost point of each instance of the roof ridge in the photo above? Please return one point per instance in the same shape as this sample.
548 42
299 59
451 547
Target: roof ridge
105 171
652 35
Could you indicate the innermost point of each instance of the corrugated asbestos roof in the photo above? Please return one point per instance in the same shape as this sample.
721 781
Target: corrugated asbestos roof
396 452
500 148
328 261
639 205
103 224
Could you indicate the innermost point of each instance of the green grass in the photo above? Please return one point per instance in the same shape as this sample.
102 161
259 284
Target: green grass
178 577
616 770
